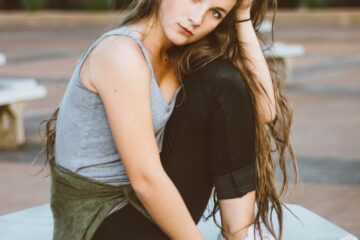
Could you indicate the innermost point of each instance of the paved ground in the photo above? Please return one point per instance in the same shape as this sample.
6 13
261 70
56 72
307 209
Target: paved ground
324 93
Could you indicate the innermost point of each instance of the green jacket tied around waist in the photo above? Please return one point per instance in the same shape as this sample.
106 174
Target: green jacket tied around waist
80 204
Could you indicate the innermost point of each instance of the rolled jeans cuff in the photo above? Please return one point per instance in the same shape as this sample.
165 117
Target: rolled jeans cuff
235 184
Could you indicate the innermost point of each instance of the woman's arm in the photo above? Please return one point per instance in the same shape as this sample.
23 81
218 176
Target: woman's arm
121 76
237 218
237 213
257 63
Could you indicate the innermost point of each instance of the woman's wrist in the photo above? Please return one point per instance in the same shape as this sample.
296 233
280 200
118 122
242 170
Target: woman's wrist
238 235
242 20
247 234
242 17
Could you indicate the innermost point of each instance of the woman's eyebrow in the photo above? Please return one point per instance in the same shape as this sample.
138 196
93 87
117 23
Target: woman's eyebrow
221 9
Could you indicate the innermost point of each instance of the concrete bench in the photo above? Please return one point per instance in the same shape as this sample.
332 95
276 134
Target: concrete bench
36 223
2 59
13 95
311 227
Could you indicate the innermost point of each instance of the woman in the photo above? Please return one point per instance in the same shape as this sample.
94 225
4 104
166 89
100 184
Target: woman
106 152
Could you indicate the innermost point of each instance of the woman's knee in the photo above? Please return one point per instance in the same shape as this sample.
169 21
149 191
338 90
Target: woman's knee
231 138
218 109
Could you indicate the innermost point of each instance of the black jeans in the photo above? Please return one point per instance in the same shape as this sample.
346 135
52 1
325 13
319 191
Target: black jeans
209 141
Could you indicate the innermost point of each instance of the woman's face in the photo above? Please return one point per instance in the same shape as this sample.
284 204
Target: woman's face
186 21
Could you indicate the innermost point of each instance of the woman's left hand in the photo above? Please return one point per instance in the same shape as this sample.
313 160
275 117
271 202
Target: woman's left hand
243 10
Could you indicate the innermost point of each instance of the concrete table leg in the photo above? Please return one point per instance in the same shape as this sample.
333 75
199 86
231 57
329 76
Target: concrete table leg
283 68
12 134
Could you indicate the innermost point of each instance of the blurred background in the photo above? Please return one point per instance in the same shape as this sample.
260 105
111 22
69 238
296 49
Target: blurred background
317 50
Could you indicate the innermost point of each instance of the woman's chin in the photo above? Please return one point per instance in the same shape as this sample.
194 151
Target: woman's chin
179 41
178 38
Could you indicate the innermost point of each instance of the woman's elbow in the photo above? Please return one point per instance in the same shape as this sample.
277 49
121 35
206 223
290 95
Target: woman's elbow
269 115
147 180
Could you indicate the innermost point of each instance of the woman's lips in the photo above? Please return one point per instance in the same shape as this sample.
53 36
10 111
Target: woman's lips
185 31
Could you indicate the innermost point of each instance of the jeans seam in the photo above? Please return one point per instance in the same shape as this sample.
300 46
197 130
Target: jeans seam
223 108
216 98
227 120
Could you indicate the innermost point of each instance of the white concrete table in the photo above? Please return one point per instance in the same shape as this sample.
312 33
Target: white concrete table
284 50
265 27
2 59
13 95
283 54
37 223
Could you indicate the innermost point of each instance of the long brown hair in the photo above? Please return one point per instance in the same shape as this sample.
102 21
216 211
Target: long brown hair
272 139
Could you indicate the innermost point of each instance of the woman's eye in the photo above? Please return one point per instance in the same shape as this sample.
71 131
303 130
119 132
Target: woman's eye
216 14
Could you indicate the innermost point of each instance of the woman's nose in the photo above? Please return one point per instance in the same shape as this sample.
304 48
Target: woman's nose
197 15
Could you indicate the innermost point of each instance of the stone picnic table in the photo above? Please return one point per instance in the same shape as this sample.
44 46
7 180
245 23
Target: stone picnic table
14 93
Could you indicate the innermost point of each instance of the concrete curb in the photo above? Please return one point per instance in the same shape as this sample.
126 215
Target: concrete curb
55 18
326 17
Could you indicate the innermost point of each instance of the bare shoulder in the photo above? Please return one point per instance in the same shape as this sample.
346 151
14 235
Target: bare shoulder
117 58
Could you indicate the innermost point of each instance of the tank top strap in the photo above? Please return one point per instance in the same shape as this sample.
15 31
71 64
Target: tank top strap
123 30
141 45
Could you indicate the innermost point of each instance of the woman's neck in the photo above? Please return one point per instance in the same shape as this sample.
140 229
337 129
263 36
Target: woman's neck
151 34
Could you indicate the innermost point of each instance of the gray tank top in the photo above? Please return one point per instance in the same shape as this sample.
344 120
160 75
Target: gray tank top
84 143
